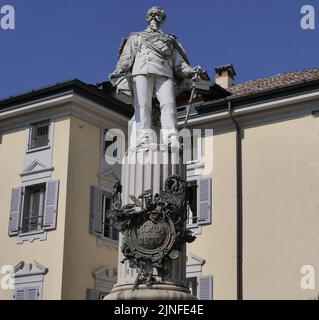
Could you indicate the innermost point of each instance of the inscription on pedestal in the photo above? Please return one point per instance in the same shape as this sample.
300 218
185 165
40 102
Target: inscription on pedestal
151 236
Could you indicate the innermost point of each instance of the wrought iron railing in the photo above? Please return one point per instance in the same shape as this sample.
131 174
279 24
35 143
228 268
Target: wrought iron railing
32 223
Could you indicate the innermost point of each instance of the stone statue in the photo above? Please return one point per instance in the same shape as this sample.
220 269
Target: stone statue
149 209
151 63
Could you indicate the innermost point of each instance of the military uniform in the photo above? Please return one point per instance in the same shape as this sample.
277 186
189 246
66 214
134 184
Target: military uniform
149 63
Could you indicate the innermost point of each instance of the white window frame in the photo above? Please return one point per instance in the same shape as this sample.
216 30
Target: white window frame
40 228
39 234
31 236
48 145
37 164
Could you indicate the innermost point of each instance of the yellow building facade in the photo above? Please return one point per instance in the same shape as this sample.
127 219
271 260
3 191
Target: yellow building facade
256 167
263 238
50 264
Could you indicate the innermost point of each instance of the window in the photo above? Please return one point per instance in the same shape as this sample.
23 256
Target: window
28 281
108 230
26 293
192 145
104 279
199 202
33 210
39 134
205 288
199 285
100 224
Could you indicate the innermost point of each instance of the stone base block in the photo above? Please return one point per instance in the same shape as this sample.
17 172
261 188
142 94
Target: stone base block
155 292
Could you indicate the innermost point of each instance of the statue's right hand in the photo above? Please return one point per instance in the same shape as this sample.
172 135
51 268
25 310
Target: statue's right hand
116 73
117 76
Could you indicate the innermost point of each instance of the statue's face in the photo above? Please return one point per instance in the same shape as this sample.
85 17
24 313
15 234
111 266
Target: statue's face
155 20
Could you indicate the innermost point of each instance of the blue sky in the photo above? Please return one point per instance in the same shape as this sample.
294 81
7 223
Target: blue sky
59 40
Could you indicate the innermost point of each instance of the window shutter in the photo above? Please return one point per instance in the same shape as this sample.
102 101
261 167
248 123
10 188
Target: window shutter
51 205
96 211
204 201
92 294
32 293
15 211
205 288
19 294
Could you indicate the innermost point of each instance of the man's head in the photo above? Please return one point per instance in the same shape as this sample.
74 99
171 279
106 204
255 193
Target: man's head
155 17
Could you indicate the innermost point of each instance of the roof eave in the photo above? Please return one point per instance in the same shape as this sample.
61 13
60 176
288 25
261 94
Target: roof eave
73 85
248 98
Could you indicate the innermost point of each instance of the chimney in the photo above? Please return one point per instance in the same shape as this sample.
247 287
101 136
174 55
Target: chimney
225 76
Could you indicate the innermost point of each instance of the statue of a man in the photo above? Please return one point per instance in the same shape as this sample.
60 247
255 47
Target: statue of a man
150 63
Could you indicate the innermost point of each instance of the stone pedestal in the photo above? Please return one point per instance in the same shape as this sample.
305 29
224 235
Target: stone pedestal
147 169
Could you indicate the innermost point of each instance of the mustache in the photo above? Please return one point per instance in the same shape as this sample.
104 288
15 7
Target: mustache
155 23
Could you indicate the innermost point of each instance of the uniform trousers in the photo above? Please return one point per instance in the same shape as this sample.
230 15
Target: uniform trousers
163 88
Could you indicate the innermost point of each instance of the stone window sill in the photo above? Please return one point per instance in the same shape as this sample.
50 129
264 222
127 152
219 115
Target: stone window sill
38 149
32 236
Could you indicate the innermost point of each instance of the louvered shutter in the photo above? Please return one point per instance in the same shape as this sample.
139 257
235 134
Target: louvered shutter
205 288
96 211
51 205
19 294
15 211
32 293
92 294
204 201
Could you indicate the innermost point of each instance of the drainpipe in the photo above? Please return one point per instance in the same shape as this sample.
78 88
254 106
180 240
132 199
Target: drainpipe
239 187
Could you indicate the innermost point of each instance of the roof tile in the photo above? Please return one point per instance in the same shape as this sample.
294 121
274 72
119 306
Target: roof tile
280 80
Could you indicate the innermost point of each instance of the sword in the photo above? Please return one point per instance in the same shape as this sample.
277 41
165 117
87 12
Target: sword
190 102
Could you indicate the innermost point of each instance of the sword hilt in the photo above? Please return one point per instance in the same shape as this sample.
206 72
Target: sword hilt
190 102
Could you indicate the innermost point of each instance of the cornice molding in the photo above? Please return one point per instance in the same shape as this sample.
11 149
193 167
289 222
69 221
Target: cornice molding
71 104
